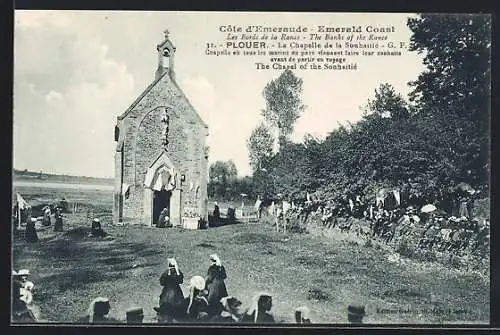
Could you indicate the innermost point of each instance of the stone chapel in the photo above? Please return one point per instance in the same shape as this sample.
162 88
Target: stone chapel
161 158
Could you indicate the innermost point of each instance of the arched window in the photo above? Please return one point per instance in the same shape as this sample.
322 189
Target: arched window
166 58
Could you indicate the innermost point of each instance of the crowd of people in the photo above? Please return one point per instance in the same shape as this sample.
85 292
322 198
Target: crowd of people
207 301
52 214
389 217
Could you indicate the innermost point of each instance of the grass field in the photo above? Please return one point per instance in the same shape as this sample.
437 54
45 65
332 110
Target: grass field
325 273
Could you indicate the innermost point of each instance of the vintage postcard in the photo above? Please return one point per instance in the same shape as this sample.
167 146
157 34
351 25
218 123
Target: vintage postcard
251 168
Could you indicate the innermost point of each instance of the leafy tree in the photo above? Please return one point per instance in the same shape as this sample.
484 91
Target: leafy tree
260 147
239 186
232 171
387 103
221 174
454 90
283 103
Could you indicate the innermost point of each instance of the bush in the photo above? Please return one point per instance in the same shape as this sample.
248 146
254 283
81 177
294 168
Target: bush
406 248
425 255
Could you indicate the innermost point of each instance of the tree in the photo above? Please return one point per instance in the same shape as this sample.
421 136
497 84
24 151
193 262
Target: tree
221 174
232 171
454 90
260 147
387 103
283 103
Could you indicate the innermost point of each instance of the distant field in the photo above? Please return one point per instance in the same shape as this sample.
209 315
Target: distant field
34 176
325 274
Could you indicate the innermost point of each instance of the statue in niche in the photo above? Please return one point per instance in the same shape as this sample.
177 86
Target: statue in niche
165 120
206 151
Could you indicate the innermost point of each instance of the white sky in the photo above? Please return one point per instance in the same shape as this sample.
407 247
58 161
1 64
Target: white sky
74 72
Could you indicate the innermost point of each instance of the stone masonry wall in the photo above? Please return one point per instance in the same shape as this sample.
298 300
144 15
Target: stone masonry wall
143 134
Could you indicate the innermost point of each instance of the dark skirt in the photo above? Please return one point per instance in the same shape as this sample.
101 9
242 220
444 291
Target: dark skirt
30 233
198 311
216 288
58 225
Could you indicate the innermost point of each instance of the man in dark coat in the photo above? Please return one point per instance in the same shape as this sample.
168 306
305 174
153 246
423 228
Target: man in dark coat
215 285
171 296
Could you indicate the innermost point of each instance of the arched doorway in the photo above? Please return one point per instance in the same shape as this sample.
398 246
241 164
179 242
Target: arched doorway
161 200
162 190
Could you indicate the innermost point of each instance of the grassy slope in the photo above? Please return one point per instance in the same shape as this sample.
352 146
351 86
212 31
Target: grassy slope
69 269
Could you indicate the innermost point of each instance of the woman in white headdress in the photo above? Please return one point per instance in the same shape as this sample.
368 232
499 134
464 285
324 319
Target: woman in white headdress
171 296
215 285
259 311
196 304
27 286
20 310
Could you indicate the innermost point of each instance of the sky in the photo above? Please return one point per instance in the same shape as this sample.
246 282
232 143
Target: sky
76 71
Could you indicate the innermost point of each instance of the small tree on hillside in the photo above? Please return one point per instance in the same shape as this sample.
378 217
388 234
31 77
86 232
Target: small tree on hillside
283 103
260 147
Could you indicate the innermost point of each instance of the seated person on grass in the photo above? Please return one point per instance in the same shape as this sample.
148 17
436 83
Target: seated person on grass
96 230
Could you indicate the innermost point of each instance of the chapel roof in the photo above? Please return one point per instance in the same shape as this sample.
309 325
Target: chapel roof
150 87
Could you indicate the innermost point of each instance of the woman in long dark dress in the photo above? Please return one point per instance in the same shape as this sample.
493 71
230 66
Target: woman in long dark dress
30 233
215 285
58 226
46 216
171 296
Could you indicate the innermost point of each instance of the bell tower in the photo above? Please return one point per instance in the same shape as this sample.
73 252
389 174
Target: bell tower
166 53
